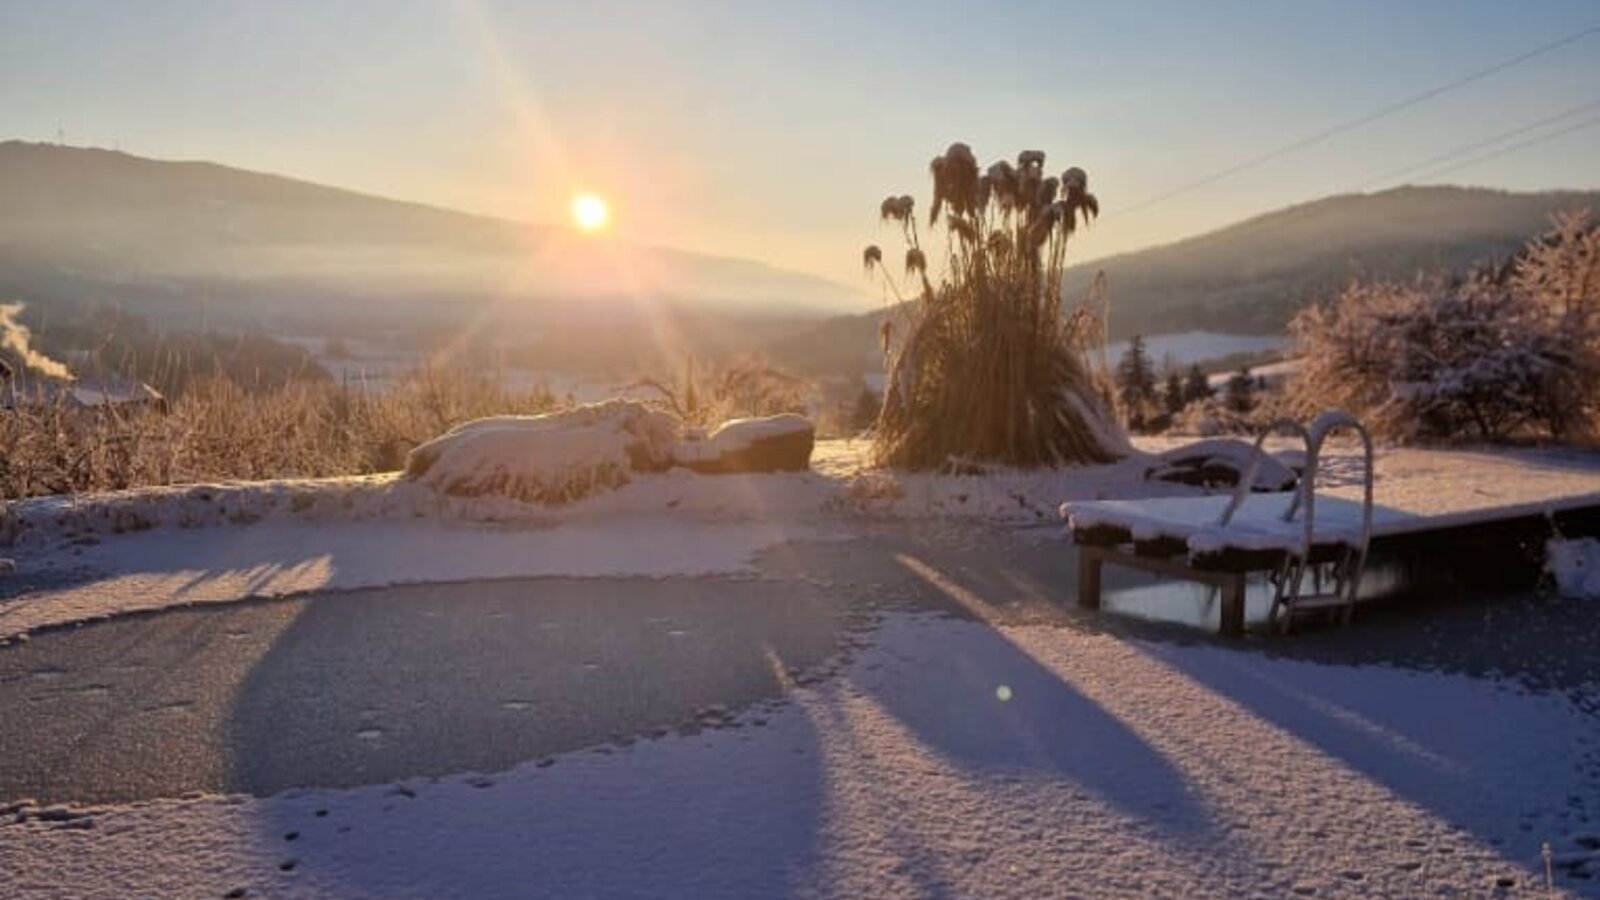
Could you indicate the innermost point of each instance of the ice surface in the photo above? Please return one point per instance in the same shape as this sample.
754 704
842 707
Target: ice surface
1105 768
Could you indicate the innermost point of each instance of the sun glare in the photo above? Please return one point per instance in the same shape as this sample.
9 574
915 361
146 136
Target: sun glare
590 212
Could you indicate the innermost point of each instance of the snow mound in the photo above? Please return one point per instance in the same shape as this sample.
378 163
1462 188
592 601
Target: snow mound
554 458
1574 565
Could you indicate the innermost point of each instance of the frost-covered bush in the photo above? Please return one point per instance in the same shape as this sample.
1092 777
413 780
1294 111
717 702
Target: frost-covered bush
1218 416
217 431
988 365
1494 356
1211 417
1559 274
745 386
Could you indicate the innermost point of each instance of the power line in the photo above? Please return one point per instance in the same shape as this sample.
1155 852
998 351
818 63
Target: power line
1359 121
1477 145
1576 126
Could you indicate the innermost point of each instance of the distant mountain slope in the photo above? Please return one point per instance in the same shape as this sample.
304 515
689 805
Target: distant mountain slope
181 239
1250 278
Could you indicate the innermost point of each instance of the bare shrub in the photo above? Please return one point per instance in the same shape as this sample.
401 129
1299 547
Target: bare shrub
1216 416
988 365
745 386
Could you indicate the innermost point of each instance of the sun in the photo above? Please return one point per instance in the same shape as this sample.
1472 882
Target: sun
590 212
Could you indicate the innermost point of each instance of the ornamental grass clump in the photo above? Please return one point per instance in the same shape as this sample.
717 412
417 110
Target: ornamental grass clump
989 365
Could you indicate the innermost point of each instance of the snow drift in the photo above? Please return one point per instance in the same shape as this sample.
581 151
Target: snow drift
1574 565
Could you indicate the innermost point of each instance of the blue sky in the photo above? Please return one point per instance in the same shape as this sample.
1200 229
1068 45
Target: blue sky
771 129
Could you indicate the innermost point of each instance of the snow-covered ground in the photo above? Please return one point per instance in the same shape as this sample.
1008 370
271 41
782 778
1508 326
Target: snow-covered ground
951 758
89 557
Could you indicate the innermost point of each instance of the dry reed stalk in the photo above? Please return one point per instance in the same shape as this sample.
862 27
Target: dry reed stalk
991 367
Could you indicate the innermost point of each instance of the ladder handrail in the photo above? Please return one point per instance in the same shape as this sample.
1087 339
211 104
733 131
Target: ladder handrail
1306 490
1247 478
1332 421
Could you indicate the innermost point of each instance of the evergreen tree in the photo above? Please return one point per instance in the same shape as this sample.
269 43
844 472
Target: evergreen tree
1195 386
1241 391
1173 394
1136 382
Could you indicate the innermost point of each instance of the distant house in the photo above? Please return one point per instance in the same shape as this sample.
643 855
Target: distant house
20 389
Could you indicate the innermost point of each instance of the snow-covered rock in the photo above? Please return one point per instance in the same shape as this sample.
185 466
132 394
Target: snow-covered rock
771 444
1574 566
552 458
1221 462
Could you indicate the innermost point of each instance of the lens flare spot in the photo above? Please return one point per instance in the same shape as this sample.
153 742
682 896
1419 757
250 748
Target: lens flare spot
1003 692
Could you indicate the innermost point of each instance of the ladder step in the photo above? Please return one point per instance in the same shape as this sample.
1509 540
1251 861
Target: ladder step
1316 601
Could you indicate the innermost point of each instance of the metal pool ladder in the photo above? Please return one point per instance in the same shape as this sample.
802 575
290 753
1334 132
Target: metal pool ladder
1337 561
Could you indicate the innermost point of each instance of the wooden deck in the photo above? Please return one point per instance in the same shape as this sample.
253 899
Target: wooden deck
1494 539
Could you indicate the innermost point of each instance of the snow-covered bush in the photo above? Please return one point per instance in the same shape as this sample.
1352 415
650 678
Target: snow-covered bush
554 458
988 367
565 456
1490 357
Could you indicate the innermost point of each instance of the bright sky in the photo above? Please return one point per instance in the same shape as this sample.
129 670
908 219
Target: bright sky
770 130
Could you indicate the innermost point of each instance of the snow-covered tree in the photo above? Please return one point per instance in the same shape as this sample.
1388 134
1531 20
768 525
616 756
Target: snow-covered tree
1513 351
1430 360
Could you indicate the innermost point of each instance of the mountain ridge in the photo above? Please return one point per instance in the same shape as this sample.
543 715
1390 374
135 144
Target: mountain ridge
1251 276
198 222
